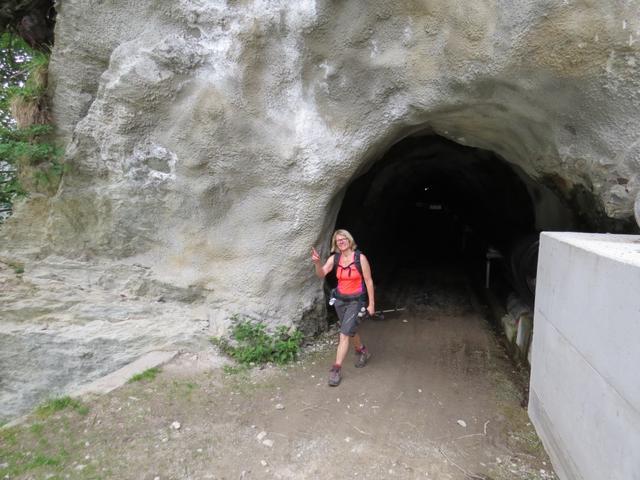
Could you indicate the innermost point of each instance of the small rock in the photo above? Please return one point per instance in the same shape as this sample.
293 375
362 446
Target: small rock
462 423
268 442
176 425
263 463
261 435
156 478
80 467
279 406
419 390
405 321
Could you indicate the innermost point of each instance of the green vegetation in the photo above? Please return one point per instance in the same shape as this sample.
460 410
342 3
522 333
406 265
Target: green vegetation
29 161
251 343
61 403
234 369
149 374
40 449
33 20
26 101
16 460
181 390
37 429
33 164
18 268
14 58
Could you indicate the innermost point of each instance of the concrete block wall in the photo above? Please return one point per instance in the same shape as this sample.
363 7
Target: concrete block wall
585 357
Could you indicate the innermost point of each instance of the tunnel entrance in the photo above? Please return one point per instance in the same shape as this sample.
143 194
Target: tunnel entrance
430 204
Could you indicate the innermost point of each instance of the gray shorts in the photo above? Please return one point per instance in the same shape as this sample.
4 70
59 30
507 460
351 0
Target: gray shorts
347 311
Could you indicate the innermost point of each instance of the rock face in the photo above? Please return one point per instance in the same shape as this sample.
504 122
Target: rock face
212 141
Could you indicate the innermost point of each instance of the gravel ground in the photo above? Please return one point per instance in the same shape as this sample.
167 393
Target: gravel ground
438 400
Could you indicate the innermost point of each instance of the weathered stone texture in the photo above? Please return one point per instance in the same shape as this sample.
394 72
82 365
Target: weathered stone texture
212 141
220 134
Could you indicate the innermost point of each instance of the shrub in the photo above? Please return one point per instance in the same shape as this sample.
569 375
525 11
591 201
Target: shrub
29 161
251 343
32 163
28 102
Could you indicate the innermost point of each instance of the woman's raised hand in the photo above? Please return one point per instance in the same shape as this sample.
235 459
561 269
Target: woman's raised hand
315 256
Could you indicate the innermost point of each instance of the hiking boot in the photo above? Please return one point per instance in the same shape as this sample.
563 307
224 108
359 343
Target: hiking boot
334 377
363 358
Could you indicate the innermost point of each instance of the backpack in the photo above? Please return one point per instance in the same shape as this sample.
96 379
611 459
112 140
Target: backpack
356 262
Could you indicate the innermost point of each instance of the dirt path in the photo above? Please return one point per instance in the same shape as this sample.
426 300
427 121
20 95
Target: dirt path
439 400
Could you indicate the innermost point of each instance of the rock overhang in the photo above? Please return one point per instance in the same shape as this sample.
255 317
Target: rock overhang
206 139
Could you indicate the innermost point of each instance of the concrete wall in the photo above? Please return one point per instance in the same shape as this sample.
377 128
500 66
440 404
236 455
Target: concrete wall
585 365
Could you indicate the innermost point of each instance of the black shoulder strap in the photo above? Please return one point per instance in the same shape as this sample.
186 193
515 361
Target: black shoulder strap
356 260
336 261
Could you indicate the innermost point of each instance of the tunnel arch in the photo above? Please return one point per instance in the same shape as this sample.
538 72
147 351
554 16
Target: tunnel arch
429 199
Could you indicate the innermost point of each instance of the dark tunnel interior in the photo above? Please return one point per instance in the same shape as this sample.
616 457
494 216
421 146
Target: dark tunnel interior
432 203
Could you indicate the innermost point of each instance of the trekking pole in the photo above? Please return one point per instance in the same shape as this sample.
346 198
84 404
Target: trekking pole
391 310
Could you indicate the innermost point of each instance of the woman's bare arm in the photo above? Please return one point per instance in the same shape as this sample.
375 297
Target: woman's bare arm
321 270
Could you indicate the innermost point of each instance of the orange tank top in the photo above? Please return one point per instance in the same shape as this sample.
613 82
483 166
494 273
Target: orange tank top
349 279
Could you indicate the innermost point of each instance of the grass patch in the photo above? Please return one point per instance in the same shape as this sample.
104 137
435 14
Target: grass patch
251 343
182 390
18 268
234 369
18 454
61 403
148 375
37 429
41 460
17 463
9 436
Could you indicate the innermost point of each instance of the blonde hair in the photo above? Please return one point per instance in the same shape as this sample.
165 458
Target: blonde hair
347 235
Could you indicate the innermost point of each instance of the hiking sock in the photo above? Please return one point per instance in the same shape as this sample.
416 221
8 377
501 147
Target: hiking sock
337 366
362 349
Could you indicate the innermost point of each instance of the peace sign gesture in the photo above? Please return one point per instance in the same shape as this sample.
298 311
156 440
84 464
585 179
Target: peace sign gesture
315 256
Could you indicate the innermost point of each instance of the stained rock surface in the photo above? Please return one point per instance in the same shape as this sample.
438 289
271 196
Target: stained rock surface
211 142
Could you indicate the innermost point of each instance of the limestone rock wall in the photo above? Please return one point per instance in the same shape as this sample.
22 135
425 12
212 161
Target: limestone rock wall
212 141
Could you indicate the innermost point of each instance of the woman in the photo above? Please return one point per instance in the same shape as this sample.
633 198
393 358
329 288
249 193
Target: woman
354 291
